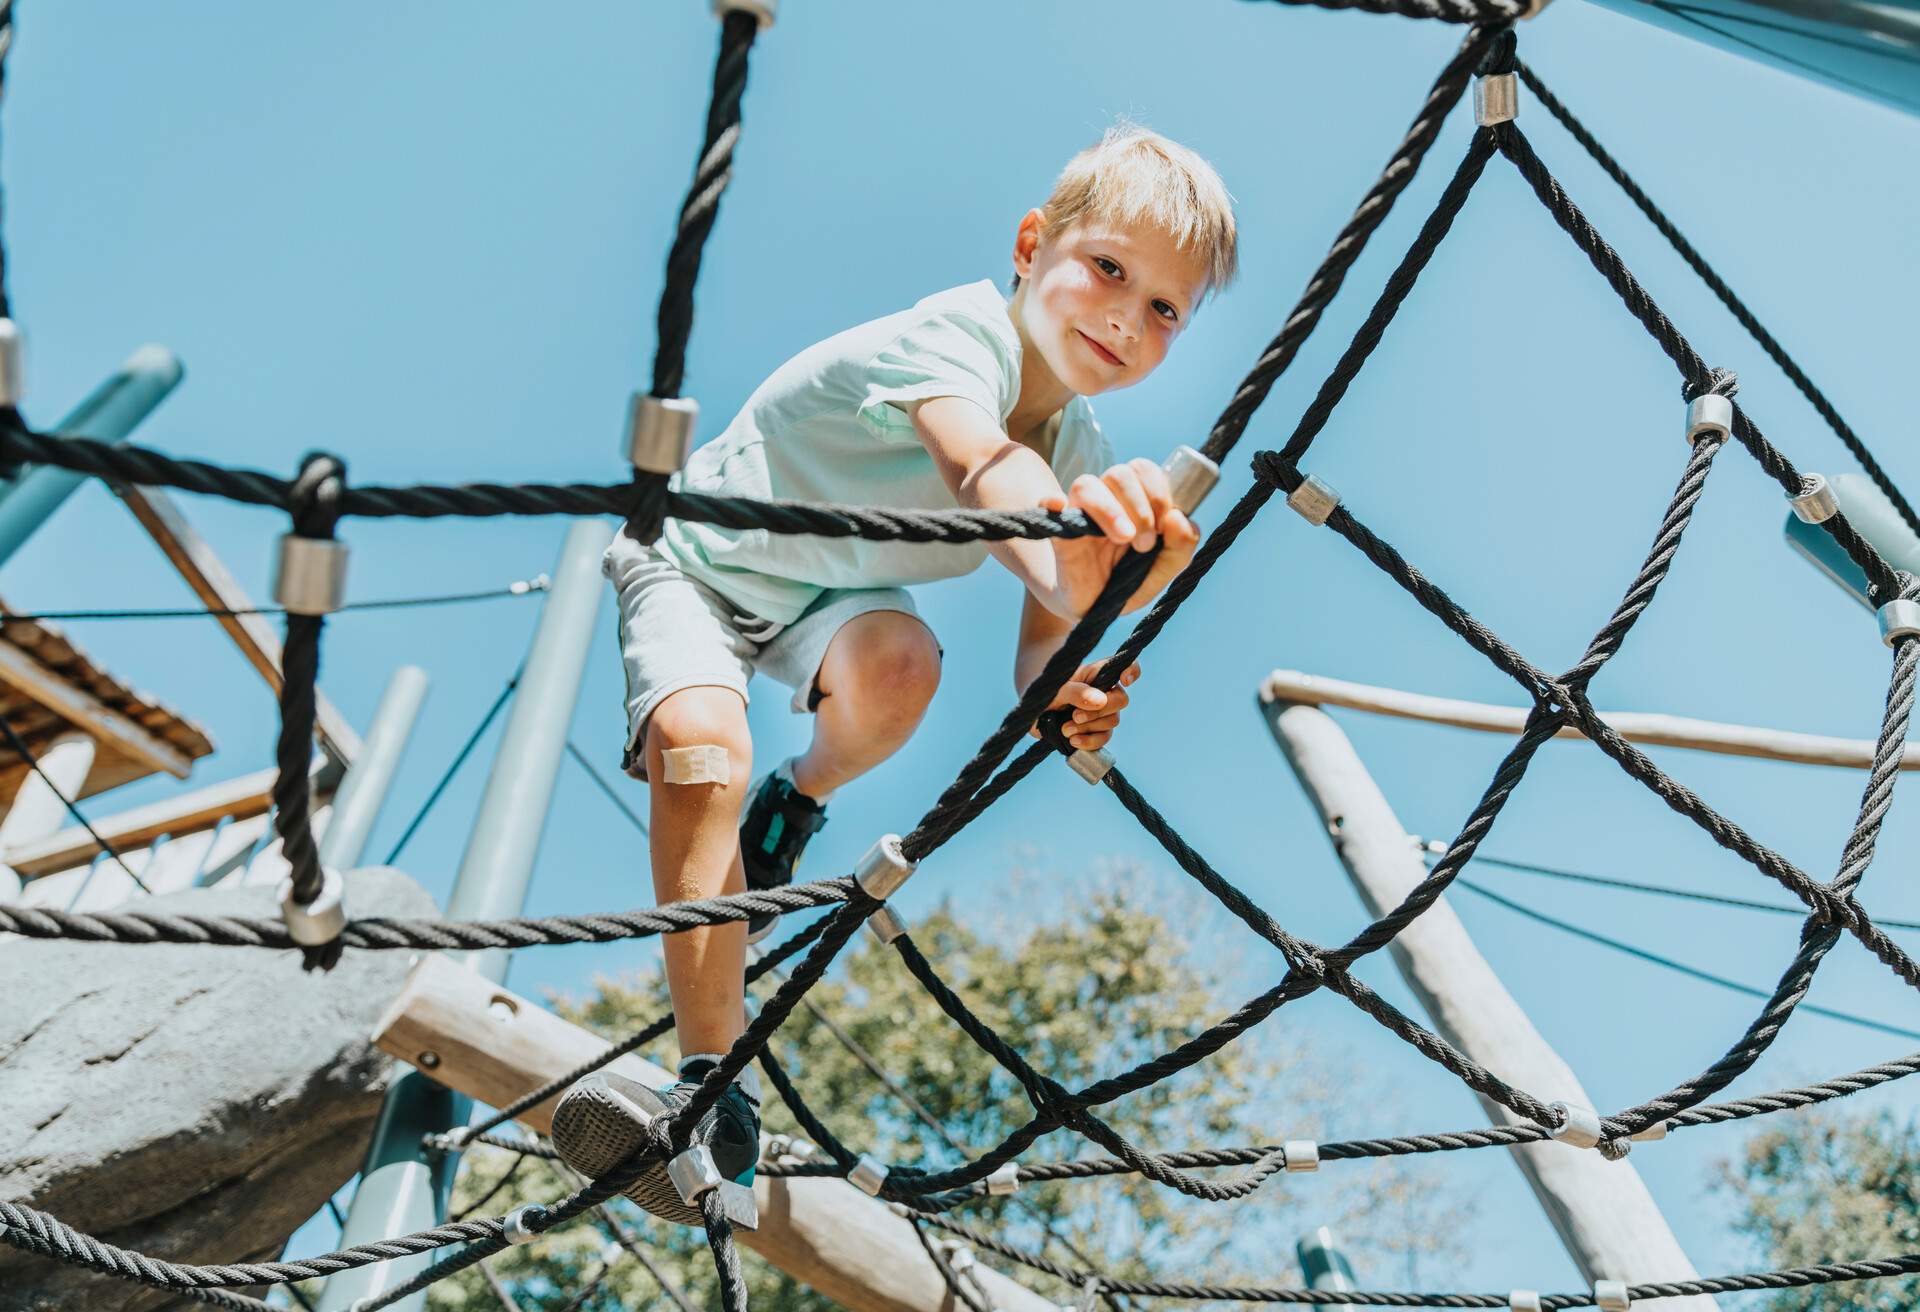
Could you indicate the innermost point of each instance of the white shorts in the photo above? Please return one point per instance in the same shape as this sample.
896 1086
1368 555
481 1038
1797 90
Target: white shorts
676 632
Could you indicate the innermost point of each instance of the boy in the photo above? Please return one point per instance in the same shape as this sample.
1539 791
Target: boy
967 398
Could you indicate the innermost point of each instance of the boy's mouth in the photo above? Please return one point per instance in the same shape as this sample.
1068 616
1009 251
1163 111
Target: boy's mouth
1100 350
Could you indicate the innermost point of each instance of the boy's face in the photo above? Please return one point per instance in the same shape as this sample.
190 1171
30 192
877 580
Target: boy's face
1104 301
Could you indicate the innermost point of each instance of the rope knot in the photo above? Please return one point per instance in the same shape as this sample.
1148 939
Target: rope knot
316 494
1270 468
1719 382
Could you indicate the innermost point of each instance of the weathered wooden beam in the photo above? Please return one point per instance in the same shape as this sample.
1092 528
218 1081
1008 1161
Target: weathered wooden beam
210 580
232 799
1650 728
485 1041
1602 1211
88 713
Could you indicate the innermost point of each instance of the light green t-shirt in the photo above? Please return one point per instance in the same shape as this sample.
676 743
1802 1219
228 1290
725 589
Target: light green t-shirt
827 426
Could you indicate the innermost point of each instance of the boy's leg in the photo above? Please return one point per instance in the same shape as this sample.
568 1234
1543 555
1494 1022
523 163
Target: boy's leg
696 854
874 683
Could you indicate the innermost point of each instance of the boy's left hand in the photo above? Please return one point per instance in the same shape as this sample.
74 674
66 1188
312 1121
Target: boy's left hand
1096 714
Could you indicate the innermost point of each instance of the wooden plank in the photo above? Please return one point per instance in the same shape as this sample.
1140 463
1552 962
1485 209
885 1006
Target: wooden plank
469 1034
210 580
1651 729
88 713
238 799
1602 1210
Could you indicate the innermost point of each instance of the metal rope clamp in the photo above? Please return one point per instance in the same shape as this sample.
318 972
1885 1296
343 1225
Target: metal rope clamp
764 10
695 1175
1302 1155
517 1226
12 369
660 432
1815 504
1578 1127
886 924
1190 476
319 922
1899 618
1496 99
1523 1300
883 869
1004 1181
1709 415
310 574
1091 766
1652 1134
1612 1296
869 1175
1315 500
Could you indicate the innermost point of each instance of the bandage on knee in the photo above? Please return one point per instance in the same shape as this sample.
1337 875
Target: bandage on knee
706 764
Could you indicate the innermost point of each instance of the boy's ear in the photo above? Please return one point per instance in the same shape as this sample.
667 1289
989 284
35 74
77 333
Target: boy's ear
1026 241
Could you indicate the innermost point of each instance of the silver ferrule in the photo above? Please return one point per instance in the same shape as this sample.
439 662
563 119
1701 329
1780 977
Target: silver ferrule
1302 1155
883 869
1190 476
1652 1134
1314 499
1091 766
869 1174
1579 1125
1496 99
1611 1296
1709 415
1524 1300
1815 504
320 921
764 10
515 1228
961 1259
694 1173
310 574
12 367
1005 1180
660 432
1899 619
886 924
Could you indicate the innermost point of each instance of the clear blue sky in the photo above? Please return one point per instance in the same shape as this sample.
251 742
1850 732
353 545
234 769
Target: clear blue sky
431 239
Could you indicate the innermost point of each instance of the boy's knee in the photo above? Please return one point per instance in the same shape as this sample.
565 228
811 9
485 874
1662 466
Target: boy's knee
898 661
699 736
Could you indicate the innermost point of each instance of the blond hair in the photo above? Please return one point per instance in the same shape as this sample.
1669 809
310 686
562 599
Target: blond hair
1136 176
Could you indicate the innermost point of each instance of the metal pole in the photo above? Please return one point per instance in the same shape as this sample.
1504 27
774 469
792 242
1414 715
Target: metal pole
402 1188
1873 518
109 414
356 806
1612 1228
1322 1264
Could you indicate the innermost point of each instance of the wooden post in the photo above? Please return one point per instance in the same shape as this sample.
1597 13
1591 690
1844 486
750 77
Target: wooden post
1602 1211
487 1042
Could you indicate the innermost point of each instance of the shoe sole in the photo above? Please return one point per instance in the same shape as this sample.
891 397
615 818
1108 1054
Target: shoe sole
603 1120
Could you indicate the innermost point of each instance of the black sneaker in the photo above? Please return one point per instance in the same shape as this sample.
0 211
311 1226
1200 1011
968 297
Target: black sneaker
779 821
603 1120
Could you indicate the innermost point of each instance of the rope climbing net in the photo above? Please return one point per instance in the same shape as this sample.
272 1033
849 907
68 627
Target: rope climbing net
316 921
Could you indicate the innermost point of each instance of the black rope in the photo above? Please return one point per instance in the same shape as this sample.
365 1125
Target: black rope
1444 11
453 767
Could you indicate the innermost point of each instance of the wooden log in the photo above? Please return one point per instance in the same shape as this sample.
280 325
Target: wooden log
1649 728
232 799
88 713
1602 1211
469 1034
210 580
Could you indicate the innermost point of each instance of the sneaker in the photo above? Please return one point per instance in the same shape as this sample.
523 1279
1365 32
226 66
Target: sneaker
779 821
603 1120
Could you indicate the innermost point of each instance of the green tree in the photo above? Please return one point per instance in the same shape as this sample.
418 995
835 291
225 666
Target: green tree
1107 983
1820 1186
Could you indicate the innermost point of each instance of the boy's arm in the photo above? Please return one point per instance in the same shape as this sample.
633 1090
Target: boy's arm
1130 503
1095 714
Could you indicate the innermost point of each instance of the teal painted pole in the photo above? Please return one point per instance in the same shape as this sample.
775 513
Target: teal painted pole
109 414
357 802
403 1189
1322 1264
1873 518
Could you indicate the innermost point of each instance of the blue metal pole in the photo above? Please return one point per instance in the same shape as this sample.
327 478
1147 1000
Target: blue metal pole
1322 1264
109 414
1873 518
402 1188
357 802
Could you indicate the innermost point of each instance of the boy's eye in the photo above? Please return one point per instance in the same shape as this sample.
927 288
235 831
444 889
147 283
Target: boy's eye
1106 266
1166 311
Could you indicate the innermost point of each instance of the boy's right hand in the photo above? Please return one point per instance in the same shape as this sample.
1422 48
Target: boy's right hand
1133 506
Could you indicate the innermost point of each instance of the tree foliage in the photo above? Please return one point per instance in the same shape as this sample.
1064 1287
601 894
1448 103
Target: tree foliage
1106 983
1819 1186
